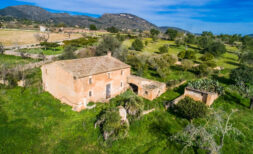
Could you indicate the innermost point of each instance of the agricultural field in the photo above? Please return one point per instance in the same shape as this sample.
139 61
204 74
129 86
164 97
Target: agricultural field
54 51
11 37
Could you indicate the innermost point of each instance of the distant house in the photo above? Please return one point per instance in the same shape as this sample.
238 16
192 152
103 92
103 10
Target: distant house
43 29
95 79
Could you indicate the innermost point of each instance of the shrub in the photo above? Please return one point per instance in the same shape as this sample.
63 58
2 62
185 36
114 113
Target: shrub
93 27
216 48
207 56
112 29
190 109
210 63
133 104
202 70
242 74
137 45
164 48
187 55
111 125
187 64
68 53
207 85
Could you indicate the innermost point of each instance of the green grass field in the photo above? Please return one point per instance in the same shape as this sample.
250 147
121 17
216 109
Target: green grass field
11 61
32 121
54 51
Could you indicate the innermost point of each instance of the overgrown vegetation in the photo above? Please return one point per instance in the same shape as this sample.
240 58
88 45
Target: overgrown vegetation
206 85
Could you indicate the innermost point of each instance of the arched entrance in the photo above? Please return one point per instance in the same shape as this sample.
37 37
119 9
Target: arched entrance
134 88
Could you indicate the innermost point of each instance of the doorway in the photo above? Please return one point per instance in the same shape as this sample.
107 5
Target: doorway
108 91
134 88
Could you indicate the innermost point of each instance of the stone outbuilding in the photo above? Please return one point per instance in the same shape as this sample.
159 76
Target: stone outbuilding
206 97
148 89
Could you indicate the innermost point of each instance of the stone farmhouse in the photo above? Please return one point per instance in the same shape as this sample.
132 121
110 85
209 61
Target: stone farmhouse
96 79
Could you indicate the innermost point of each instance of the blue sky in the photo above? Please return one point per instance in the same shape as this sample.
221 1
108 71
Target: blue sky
218 16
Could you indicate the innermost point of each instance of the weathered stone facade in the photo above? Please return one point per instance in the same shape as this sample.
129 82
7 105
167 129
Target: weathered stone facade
77 91
148 89
206 97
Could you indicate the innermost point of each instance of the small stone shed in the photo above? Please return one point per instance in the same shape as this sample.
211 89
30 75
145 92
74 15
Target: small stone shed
148 89
206 97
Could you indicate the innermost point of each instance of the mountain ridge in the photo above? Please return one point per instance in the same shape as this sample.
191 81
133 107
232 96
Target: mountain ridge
120 20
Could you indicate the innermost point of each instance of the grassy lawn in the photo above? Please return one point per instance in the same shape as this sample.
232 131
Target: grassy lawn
35 122
32 121
54 51
11 61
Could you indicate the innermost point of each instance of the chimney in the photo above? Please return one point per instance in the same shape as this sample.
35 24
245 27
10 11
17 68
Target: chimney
109 53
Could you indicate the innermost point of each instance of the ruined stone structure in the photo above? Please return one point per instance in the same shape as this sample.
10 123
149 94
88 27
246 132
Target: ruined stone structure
206 97
148 89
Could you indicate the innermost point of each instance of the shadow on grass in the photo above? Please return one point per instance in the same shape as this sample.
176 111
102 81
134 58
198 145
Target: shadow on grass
180 89
222 80
233 63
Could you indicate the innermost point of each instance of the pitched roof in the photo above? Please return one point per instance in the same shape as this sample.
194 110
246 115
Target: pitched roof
90 66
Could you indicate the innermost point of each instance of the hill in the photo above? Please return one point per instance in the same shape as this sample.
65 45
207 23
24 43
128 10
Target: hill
164 29
121 21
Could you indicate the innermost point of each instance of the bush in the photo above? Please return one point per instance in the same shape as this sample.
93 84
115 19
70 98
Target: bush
68 53
164 48
242 74
93 27
216 48
137 45
207 56
133 104
210 63
112 29
187 55
187 64
111 125
207 85
190 109
202 70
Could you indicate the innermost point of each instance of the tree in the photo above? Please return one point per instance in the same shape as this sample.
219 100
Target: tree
1 48
164 48
187 54
202 70
154 33
111 125
243 82
216 48
108 43
137 45
207 56
172 34
205 137
68 53
112 29
93 27
42 37
187 64
190 38
190 109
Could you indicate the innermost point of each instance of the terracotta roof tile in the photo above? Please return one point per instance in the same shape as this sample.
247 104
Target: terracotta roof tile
90 66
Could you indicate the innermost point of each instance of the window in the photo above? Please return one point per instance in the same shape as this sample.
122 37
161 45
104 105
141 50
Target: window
122 72
90 93
90 80
146 92
121 84
109 75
